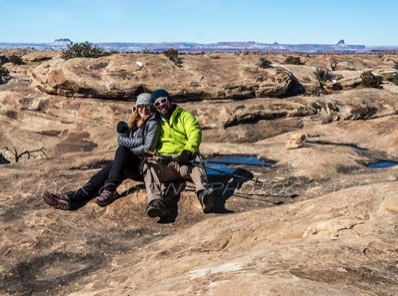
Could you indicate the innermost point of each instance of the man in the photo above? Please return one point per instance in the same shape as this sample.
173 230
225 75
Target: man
180 137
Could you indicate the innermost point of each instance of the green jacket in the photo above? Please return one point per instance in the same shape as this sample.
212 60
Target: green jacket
181 132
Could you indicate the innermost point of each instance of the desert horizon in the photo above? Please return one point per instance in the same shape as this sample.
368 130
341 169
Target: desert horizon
221 46
304 150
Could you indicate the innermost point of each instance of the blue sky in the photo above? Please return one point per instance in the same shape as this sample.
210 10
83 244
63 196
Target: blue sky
367 22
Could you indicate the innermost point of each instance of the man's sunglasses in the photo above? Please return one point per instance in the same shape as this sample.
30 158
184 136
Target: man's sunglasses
161 102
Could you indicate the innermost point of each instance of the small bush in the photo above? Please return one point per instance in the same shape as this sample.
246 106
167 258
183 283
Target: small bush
3 59
264 63
323 74
4 73
333 65
83 50
16 60
172 54
293 61
396 65
371 80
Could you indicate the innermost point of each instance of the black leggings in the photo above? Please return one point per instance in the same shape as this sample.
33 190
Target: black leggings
125 165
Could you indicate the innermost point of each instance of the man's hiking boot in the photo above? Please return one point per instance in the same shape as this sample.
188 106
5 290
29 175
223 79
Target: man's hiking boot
206 199
157 208
61 201
105 198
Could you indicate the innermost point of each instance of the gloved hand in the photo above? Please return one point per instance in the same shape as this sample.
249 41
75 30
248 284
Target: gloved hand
122 127
165 159
184 157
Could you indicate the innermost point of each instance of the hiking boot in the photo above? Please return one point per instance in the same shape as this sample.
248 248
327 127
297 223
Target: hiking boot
206 199
157 208
62 201
105 198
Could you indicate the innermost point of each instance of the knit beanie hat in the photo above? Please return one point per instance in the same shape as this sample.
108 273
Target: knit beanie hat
144 99
158 94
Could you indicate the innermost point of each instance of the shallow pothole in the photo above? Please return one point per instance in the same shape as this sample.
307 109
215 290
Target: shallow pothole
381 164
224 164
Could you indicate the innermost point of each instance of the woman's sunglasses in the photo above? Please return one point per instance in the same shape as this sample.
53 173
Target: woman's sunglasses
142 106
161 102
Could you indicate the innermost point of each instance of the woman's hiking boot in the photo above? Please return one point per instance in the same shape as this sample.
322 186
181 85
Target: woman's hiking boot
105 198
206 199
157 208
62 201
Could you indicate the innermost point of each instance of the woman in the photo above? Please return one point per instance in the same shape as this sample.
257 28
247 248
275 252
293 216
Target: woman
139 134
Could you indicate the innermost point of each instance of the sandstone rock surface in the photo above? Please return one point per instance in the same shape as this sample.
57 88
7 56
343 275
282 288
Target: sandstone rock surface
316 222
200 77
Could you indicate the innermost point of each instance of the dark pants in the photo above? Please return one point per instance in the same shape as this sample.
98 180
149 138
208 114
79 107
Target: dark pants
125 165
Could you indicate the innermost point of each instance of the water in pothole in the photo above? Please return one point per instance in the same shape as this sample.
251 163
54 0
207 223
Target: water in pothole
223 164
382 164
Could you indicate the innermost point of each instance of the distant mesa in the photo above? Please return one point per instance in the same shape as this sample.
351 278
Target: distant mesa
62 41
341 42
68 40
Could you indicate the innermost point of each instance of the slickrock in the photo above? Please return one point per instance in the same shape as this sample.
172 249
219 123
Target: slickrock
318 221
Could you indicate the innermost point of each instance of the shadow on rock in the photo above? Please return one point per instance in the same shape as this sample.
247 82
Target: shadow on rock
172 195
49 273
224 186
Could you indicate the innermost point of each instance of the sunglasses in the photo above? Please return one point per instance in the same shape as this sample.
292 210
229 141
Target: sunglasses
161 102
142 106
